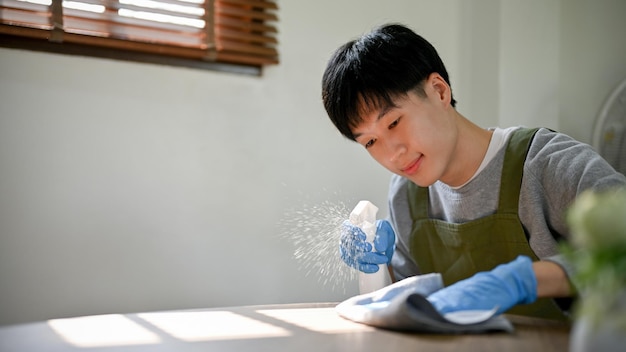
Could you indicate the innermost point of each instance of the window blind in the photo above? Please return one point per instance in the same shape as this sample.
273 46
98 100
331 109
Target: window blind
224 31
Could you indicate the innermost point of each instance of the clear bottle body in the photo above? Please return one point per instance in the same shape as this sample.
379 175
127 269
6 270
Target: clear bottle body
364 216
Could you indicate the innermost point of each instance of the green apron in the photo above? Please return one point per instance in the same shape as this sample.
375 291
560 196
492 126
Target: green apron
458 251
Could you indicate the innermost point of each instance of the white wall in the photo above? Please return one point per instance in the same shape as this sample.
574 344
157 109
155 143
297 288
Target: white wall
475 85
593 61
529 63
131 187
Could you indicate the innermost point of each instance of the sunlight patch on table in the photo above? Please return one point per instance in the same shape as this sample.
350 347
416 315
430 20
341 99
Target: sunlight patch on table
213 325
102 331
324 320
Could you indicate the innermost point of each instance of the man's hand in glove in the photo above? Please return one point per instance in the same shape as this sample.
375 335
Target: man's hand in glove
357 253
505 286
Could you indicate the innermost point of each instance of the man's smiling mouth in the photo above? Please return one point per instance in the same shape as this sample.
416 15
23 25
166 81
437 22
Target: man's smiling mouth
412 167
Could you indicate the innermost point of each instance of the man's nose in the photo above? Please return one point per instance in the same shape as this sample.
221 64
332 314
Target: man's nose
395 149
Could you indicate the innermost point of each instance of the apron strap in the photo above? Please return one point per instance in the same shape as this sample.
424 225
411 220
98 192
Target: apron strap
513 169
418 205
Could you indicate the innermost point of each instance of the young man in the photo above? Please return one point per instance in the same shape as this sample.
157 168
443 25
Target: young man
464 199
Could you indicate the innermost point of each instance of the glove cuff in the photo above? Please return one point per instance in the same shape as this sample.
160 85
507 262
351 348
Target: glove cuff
520 279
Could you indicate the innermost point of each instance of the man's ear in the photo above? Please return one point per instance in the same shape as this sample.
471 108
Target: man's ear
440 88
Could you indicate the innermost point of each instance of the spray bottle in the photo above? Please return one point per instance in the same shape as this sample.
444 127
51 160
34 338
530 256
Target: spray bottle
364 217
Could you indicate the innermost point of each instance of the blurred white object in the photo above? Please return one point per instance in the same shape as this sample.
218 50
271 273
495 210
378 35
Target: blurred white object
609 135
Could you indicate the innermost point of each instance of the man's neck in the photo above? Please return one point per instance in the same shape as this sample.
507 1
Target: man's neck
472 144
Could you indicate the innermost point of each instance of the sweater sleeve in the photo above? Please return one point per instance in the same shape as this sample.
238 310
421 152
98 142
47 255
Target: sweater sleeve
402 262
558 169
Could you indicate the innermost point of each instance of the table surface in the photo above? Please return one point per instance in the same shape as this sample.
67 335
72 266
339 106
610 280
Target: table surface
291 327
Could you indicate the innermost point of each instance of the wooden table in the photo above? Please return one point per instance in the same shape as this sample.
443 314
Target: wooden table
292 327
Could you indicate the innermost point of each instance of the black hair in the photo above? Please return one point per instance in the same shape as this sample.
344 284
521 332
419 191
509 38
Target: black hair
373 70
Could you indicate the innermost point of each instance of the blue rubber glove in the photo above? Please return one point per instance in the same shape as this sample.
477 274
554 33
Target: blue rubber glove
357 253
505 286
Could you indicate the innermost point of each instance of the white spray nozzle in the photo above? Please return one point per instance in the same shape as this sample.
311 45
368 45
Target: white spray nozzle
364 212
364 216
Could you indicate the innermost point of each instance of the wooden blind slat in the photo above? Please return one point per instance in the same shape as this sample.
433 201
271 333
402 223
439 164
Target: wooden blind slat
199 4
23 5
132 33
245 37
29 32
136 46
113 4
242 12
229 45
97 19
17 18
157 11
252 3
244 25
112 13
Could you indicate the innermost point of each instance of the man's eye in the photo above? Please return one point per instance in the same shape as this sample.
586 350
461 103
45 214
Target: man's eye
369 143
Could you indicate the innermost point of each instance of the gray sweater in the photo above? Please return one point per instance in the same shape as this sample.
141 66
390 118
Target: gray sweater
556 170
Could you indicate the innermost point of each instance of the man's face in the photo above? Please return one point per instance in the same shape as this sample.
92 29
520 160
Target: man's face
415 138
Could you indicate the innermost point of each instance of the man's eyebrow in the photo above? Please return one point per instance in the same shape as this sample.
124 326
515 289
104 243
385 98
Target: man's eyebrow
383 111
